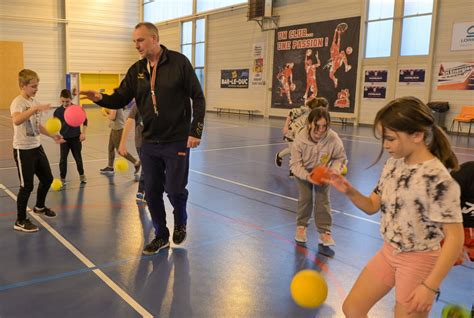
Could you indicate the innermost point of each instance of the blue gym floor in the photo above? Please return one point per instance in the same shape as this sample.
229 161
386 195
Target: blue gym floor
239 257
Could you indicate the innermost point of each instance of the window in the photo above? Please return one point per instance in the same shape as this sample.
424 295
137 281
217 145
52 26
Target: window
193 37
416 28
162 10
379 28
187 39
206 5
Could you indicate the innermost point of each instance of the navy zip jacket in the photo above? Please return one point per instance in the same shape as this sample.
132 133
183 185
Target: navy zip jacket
176 84
66 130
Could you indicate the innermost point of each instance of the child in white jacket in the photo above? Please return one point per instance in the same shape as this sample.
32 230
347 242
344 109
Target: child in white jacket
316 144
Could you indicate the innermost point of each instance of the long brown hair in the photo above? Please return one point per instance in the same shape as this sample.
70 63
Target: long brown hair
410 115
315 115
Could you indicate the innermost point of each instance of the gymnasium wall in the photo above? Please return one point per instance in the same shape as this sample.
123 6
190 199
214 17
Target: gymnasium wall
11 60
230 38
452 12
43 44
97 38
62 36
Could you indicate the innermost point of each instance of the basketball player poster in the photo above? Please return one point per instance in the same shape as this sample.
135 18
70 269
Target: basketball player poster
316 60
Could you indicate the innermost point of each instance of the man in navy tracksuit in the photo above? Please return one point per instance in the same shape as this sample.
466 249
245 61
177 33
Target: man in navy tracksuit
163 84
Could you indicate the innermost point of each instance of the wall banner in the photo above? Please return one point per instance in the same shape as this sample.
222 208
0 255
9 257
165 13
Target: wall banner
463 36
316 59
258 53
72 84
375 84
456 76
411 76
376 76
375 92
235 78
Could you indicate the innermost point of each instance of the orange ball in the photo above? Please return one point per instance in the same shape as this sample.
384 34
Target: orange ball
319 174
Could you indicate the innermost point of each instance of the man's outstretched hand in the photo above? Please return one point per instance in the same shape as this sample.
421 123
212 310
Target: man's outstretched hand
91 95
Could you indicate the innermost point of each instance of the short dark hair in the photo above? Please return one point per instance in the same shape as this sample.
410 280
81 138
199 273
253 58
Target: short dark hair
65 93
152 29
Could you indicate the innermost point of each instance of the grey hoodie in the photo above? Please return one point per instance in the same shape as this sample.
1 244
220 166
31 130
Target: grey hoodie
306 154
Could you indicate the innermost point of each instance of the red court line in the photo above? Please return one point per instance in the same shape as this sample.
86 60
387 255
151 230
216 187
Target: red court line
7 213
303 250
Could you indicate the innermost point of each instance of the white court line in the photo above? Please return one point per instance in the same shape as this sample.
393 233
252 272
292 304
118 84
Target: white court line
57 163
276 194
240 147
129 300
228 148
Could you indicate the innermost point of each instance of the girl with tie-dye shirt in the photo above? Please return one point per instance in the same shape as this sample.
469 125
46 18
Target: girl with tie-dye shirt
419 205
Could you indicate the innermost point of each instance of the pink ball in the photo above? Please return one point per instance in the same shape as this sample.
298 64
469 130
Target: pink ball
74 115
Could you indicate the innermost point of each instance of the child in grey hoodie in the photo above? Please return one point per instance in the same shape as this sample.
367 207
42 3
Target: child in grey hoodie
316 144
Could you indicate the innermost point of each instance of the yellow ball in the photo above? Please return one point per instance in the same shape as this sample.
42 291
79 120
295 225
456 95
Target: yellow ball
56 185
309 289
121 165
344 170
53 126
455 311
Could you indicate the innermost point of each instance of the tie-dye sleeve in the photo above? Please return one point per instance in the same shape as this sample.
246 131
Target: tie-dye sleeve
383 177
445 205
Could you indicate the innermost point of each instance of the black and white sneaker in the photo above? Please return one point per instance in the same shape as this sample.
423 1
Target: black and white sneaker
179 234
107 171
25 226
278 159
155 246
46 211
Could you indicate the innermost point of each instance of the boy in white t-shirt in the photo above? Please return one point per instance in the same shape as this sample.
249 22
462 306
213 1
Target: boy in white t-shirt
28 153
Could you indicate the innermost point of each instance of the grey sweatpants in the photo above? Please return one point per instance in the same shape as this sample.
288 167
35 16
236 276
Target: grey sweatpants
114 142
321 206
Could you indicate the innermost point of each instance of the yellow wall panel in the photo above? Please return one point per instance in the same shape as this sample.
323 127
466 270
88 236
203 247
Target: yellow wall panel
103 83
11 62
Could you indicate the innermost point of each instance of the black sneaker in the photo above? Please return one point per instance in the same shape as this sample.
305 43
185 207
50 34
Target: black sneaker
46 211
278 159
155 246
25 226
179 234
107 170
291 175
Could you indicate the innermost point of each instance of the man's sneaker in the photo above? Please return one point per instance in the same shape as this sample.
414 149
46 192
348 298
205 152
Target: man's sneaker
291 175
83 178
25 226
155 246
278 159
326 239
179 234
107 170
141 197
137 168
46 211
300 236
